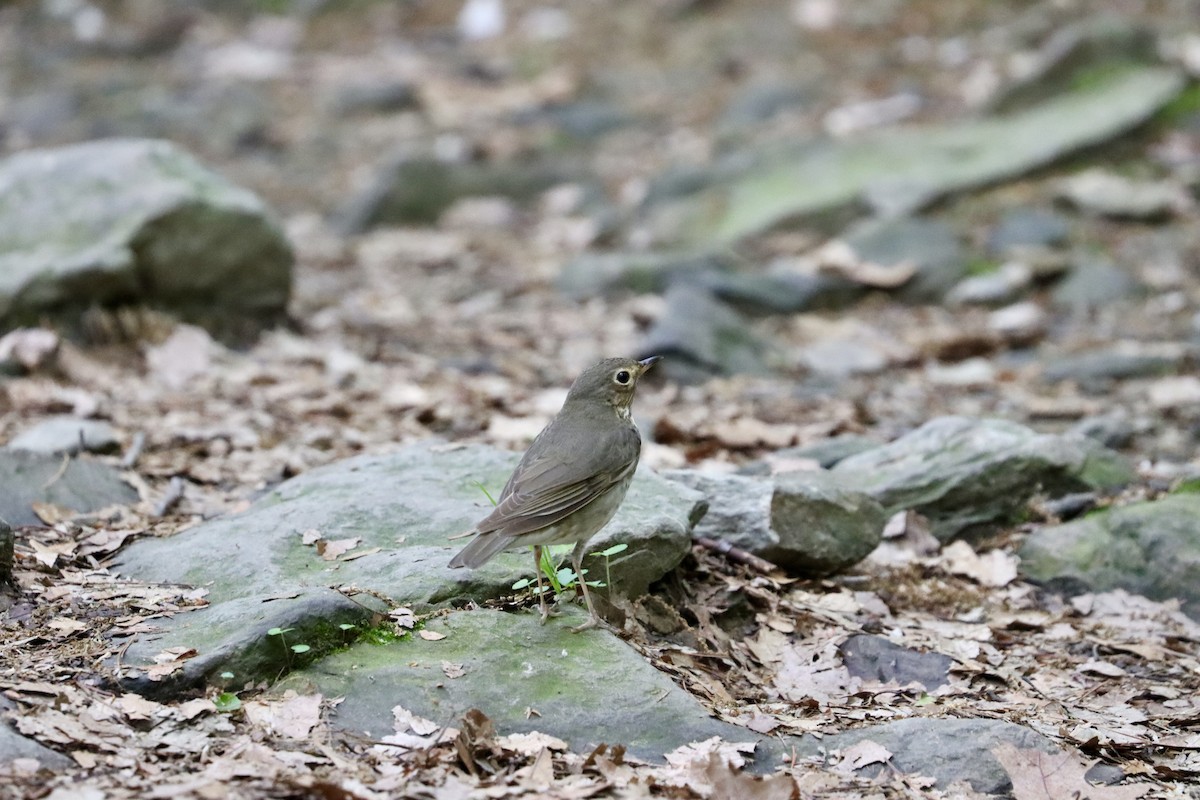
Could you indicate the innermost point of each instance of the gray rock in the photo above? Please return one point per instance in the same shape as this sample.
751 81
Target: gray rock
966 474
759 102
587 688
901 170
1149 548
1075 53
407 504
782 291
700 336
417 190
946 750
1108 194
803 521
373 97
828 452
66 435
13 746
78 484
591 274
877 658
136 220
1117 362
1094 283
585 120
932 246
1111 430
1022 228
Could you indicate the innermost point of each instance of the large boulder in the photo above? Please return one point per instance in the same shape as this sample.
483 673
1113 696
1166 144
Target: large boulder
1150 548
803 521
970 474
136 221
321 550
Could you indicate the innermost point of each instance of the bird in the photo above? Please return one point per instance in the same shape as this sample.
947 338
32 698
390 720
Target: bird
573 477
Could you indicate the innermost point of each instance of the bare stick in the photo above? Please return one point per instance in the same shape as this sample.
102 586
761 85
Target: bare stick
174 495
736 554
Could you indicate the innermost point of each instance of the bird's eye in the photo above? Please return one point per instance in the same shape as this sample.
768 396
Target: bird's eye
622 377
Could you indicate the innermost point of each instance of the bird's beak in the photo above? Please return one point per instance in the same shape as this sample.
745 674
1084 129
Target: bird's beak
647 363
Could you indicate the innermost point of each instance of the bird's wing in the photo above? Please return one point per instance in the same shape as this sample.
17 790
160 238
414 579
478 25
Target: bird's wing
547 487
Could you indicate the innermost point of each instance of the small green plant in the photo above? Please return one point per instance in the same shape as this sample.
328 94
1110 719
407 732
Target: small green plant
486 493
227 702
608 553
290 650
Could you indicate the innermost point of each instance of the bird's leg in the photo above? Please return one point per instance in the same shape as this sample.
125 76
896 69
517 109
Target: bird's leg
576 561
537 570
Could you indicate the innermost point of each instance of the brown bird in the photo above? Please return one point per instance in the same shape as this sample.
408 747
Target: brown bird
572 478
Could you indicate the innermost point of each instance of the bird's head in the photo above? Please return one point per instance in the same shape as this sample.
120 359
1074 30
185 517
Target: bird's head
612 382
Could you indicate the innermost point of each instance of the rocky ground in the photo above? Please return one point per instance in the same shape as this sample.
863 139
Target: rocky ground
917 516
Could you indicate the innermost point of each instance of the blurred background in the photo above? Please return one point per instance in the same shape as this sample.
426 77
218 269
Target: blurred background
835 220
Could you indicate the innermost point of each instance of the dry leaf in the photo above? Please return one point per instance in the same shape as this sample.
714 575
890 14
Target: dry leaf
1054 776
529 744
452 670
430 636
293 715
310 537
994 568
330 549
859 755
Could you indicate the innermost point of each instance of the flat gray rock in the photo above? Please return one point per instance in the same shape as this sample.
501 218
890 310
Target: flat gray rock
66 435
402 508
78 484
1149 548
136 220
964 474
930 246
803 521
586 688
901 170
877 658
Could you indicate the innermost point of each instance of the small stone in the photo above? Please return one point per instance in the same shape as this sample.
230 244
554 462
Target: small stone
1019 324
1182 391
1111 195
971 372
1118 362
1094 283
1023 228
67 435
995 288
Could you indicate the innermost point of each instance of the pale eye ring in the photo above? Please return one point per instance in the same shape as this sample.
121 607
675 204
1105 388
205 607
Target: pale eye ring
623 377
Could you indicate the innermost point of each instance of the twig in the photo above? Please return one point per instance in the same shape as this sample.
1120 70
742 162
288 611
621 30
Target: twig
135 450
174 495
62 470
736 554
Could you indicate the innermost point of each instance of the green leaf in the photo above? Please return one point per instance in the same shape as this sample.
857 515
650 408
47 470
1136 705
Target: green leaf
612 551
566 576
300 648
347 626
923 700
279 631
227 702
521 584
226 676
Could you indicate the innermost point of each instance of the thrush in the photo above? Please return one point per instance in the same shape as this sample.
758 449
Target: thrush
572 478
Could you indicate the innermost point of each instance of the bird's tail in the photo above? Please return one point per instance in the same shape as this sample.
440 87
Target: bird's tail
480 550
